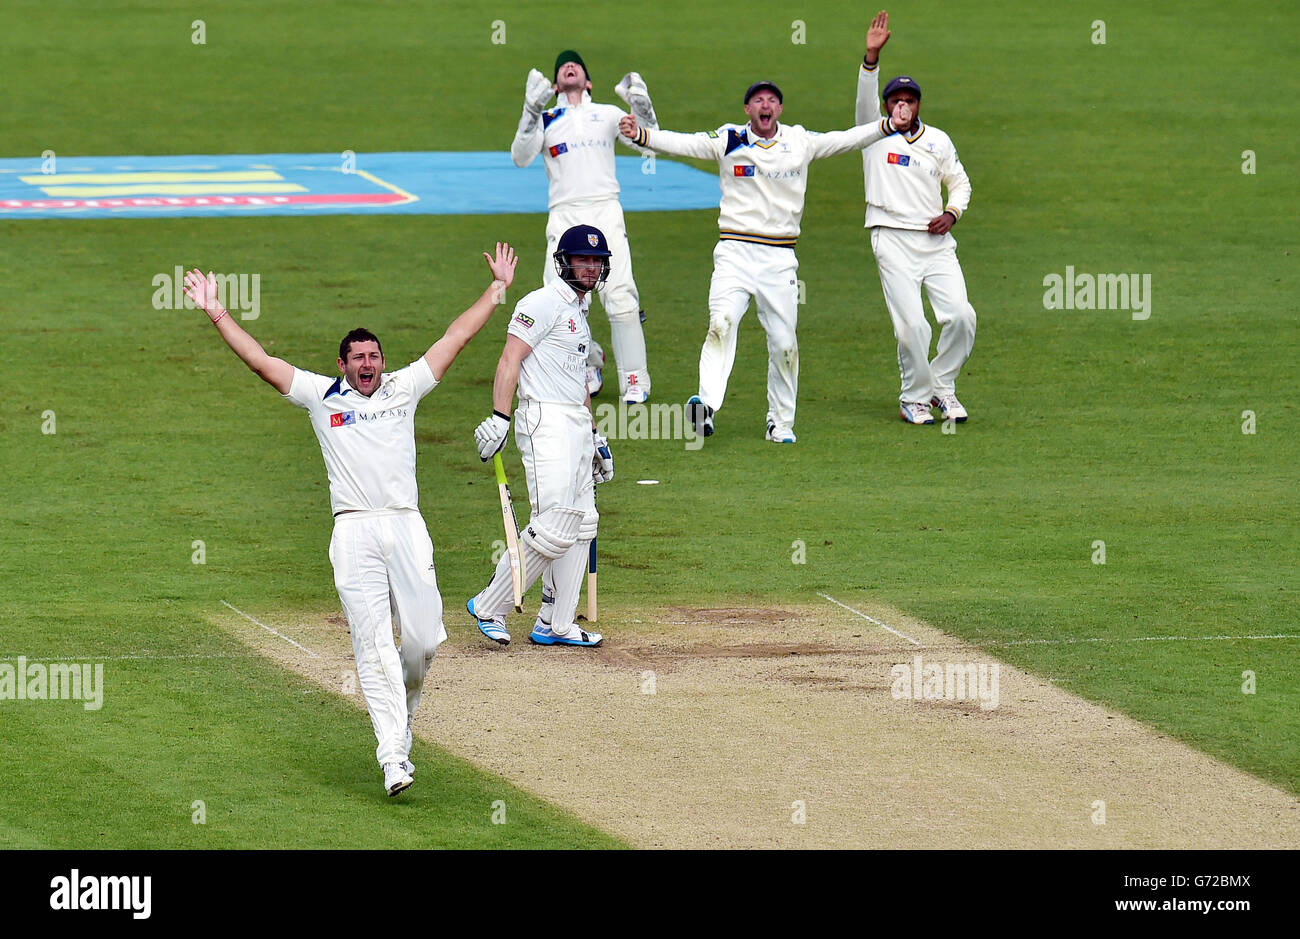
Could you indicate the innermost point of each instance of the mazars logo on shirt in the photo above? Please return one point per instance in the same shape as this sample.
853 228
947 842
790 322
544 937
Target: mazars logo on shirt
385 414
343 418
899 159
743 169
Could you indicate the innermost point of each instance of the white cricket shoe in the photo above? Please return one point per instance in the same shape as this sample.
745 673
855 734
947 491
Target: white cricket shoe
494 628
635 394
914 412
778 434
396 779
950 406
574 637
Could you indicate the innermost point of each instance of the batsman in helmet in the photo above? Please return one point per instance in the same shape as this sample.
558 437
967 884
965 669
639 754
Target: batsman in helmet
564 456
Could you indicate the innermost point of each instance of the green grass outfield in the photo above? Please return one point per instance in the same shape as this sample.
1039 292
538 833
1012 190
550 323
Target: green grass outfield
1086 425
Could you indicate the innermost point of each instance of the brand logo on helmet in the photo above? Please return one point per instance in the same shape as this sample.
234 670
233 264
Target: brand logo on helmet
592 239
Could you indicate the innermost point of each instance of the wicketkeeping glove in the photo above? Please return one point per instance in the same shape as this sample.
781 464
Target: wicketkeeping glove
538 92
491 435
602 464
632 89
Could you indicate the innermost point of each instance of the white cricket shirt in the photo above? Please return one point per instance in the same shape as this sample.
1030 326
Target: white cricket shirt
577 142
763 181
553 321
902 174
368 443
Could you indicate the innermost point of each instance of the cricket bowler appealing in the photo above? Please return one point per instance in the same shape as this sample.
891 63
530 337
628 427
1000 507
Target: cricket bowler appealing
577 137
763 169
910 226
563 455
364 419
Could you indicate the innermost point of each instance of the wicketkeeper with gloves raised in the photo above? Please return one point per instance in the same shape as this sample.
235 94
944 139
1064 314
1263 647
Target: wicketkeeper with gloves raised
576 136
564 457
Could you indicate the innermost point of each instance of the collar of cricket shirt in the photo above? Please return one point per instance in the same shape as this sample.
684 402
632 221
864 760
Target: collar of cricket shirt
343 389
562 101
340 388
569 295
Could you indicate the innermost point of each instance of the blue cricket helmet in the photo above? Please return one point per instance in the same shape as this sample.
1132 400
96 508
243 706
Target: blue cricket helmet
582 241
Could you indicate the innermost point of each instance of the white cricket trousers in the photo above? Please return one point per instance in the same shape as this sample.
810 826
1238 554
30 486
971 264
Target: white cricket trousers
556 447
619 296
907 260
742 270
383 569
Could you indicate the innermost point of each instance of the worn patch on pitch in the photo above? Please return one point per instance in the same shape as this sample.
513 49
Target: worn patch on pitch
788 728
415 183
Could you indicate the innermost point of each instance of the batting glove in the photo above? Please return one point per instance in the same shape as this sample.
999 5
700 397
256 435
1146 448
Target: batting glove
538 92
491 435
602 464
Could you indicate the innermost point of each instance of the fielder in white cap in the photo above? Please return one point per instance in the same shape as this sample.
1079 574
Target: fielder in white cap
910 221
364 419
576 137
563 455
763 167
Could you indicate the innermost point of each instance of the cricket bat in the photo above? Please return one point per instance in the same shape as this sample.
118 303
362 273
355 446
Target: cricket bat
512 534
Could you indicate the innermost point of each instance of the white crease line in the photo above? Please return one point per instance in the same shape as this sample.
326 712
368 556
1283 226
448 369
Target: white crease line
271 631
869 619
1045 642
132 655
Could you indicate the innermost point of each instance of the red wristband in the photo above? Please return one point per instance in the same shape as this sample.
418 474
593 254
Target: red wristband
218 319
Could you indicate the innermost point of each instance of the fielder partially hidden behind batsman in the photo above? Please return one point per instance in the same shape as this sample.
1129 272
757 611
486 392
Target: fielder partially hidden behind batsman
577 138
563 456
364 420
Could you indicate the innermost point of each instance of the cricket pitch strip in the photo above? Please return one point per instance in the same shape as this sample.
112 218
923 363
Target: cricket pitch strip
787 728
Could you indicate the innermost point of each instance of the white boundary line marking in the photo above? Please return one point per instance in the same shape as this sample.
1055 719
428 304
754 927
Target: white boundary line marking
915 642
270 630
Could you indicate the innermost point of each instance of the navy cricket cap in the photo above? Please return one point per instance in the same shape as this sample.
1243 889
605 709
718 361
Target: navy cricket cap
584 241
902 83
761 86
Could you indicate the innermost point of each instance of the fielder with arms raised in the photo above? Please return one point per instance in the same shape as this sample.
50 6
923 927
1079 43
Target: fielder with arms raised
563 455
577 137
909 222
364 419
763 166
